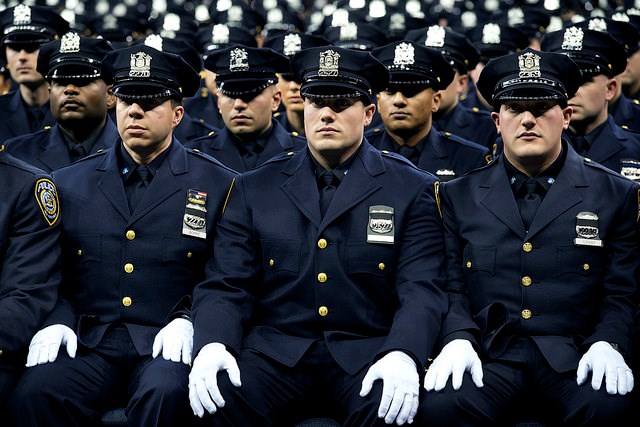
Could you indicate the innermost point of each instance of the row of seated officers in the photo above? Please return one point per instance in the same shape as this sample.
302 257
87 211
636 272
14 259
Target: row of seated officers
336 275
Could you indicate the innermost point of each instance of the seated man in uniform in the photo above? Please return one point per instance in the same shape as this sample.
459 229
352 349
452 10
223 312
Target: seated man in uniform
80 100
327 279
542 252
247 98
137 228
406 108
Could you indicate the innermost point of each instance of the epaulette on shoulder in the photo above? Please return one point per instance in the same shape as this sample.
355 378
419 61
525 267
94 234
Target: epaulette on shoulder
373 132
279 158
588 162
212 133
463 141
204 156
635 101
476 110
398 157
98 153
277 114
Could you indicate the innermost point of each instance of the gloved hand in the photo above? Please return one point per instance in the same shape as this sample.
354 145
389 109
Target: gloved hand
455 358
175 340
203 383
603 360
45 344
400 387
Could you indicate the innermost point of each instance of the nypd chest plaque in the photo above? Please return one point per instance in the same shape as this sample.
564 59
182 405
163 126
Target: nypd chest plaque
194 222
587 230
380 227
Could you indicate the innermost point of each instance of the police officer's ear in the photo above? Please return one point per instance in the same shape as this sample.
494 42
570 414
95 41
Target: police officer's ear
612 86
276 98
369 111
435 104
178 113
496 119
567 112
111 98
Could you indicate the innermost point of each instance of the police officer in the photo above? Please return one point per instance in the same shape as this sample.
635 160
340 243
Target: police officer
29 266
542 248
326 280
248 96
24 28
593 132
79 99
452 116
289 43
138 227
406 106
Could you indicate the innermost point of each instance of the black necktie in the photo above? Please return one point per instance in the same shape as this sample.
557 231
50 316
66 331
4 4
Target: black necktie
410 153
142 177
530 202
250 155
580 144
77 152
327 191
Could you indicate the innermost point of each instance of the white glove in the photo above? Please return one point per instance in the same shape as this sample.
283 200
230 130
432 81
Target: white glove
175 340
400 387
45 344
603 360
455 358
203 383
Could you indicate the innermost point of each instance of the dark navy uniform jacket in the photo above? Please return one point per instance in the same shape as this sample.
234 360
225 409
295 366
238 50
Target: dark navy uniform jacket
15 120
132 268
29 254
284 277
626 113
472 124
504 282
203 106
191 128
614 148
220 144
47 149
445 155
281 117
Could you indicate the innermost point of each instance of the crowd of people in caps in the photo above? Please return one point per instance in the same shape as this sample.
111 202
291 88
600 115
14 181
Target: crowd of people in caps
252 213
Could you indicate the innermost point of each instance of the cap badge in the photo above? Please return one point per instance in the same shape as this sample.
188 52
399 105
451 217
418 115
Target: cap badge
274 16
397 22
70 43
529 65
292 44
515 17
491 34
598 24
573 37
154 41
404 54
220 34
21 15
329 63
238 60
349 31
435 36
234 14
140 65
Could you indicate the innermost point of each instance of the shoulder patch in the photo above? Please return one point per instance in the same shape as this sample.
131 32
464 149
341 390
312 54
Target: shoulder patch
47 197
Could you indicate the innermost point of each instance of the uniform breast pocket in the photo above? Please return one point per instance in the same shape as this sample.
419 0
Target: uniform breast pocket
183 250
585 261
85 248
479 259
281 256
373 259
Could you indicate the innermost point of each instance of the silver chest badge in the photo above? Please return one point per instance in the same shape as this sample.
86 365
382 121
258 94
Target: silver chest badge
587 230
194 222
380 225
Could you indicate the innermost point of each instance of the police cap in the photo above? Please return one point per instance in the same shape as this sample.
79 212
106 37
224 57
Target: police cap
178 46
23 24
595 52
72 57
356 35
455 46
529 74
334 72
142 71
496 39
291 42
243 71
410 63
217 36
624 32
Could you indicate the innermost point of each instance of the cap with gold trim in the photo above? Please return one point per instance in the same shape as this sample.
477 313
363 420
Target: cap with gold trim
529 74
141 71
244 72
410 63
23 24
335 72
595 52
72 57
